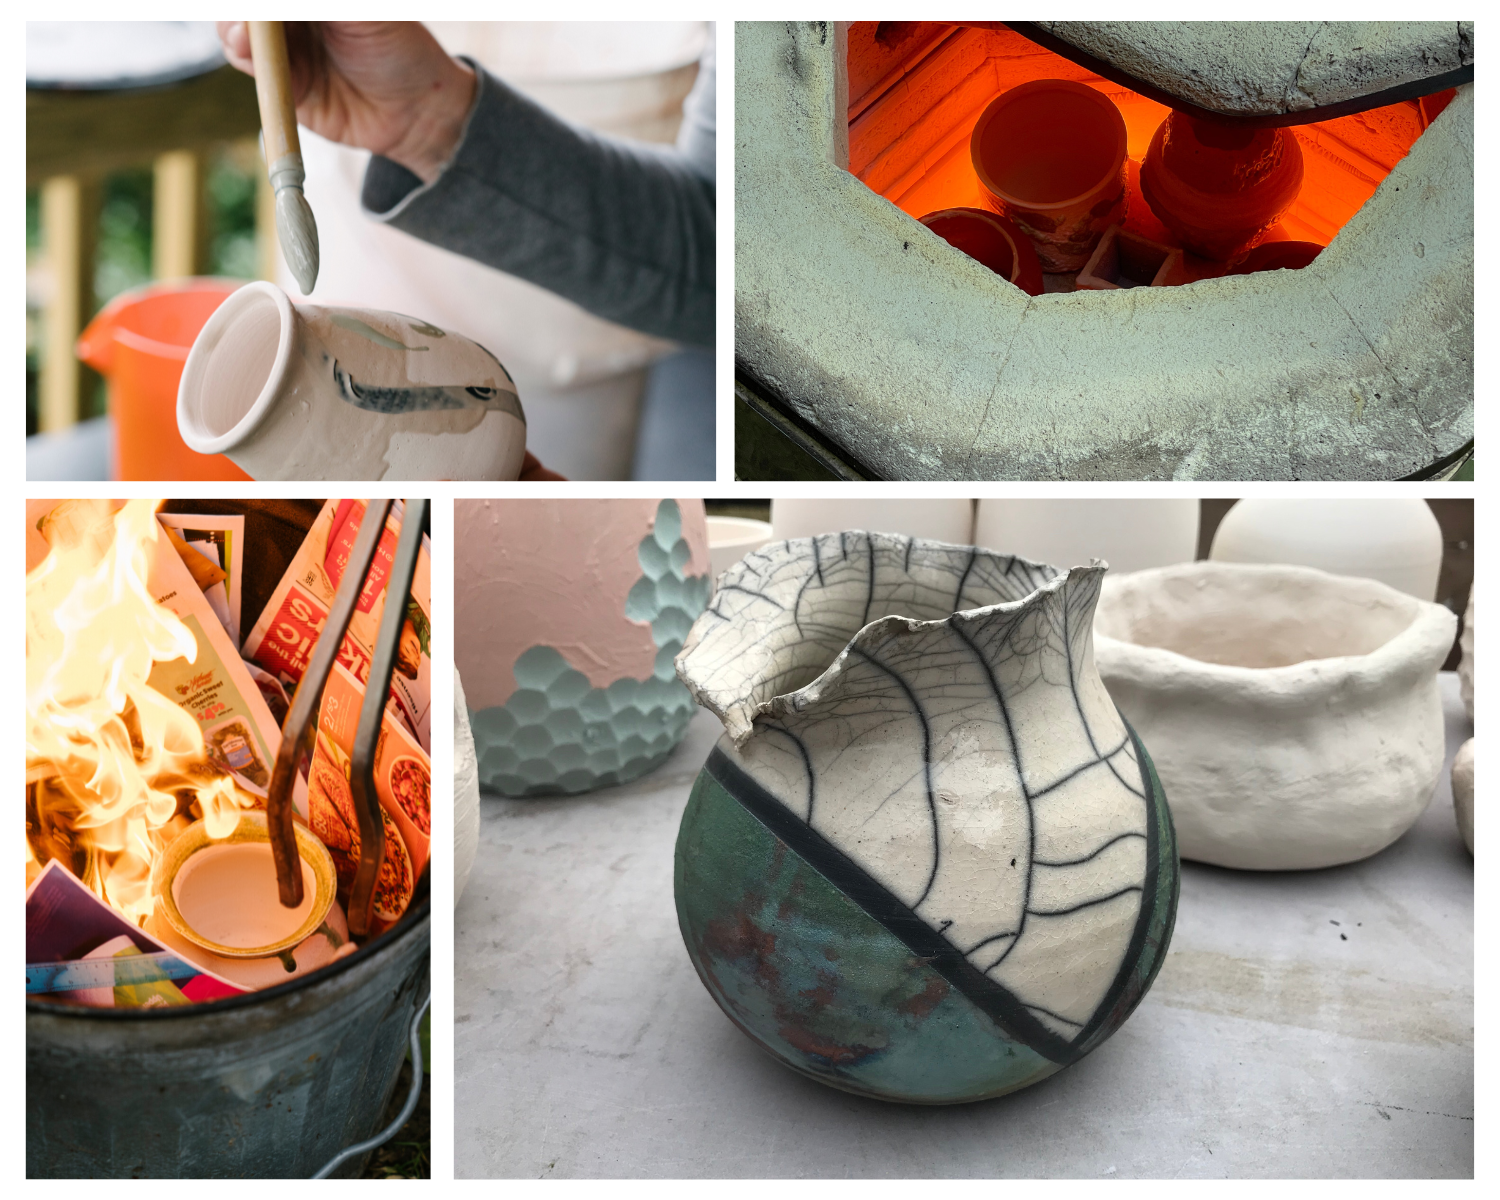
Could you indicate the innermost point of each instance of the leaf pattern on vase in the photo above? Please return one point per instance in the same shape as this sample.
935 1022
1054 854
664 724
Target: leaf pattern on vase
931 716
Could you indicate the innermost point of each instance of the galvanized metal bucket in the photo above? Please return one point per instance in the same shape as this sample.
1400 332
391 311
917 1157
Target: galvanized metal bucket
269 1085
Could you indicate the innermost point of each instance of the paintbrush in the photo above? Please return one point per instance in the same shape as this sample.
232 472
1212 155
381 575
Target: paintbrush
295 227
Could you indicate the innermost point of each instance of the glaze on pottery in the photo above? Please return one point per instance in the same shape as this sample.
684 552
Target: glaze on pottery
304 392
228 894
928 861
1051 155
229 887
568 615
1220 186
1293 714
328 942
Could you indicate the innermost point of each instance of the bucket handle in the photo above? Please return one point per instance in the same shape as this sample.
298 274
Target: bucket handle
407 1109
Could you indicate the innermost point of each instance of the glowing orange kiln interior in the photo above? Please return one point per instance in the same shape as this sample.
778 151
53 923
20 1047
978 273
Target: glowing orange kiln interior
917 88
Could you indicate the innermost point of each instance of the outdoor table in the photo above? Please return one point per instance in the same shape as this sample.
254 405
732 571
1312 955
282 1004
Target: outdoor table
1316 1023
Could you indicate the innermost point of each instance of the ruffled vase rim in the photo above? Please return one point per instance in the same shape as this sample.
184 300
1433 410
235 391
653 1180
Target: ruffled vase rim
739 717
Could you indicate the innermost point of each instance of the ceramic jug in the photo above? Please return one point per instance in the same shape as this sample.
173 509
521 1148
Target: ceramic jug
928 861
303 392
1219 186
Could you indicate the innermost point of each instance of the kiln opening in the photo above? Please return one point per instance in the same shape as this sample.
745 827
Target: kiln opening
918 89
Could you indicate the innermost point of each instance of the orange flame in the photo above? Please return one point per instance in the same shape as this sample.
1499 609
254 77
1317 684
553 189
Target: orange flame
114 768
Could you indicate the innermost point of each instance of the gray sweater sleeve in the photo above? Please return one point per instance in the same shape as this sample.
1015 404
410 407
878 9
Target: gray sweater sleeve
624 229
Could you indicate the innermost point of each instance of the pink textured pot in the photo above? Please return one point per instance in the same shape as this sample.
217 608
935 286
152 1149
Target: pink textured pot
568 616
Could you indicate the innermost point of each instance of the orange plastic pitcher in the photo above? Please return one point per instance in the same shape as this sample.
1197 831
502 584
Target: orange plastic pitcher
139 342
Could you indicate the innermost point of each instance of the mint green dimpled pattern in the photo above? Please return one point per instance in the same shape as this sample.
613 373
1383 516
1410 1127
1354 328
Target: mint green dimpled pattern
557 735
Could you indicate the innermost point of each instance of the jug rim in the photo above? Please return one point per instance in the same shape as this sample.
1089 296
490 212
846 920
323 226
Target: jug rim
208 339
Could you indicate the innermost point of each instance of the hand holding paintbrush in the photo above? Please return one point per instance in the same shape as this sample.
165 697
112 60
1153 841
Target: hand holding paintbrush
382 86
295 227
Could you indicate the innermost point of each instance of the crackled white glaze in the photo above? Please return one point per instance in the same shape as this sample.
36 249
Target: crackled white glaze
934 713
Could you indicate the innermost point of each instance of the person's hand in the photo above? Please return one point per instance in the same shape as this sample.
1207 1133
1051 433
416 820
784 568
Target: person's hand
382 86
532 471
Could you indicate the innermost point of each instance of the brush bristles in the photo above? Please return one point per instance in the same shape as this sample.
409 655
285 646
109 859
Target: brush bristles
298 234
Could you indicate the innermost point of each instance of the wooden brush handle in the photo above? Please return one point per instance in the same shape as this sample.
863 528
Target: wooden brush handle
273 88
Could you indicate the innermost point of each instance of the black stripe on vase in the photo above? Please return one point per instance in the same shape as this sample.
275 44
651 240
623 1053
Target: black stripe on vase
997 1002
1106 1019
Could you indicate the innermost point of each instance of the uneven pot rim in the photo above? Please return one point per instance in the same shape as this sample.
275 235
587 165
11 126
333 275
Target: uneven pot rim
1418 649
189 423
739 714
1025 267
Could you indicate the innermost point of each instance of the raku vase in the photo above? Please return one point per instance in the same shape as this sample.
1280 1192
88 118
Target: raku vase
928 861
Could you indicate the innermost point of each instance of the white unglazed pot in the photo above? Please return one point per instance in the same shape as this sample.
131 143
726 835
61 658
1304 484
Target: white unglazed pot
1463 792
940 520
302 392
1466 657
1398 542
1293 715
465 792
731 538
1130 535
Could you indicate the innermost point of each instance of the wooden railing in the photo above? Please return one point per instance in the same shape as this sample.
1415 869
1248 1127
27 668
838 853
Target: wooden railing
74 139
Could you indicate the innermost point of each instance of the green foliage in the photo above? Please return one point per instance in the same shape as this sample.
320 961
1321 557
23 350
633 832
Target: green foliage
232 178
123 258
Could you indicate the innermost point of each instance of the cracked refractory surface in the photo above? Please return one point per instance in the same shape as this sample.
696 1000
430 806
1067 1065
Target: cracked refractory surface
1255 68
921 723
557 734
922 364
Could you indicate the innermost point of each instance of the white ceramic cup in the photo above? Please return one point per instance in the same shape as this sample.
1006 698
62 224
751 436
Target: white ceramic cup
303 392
731 538
940 520
1397 541
1130 535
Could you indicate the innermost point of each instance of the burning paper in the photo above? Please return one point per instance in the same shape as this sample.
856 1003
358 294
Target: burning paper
213 550
140 716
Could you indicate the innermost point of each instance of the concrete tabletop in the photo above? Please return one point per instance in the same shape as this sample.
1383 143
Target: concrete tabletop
1316 1024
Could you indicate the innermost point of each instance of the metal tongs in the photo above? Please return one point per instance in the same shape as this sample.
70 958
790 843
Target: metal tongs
298 730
